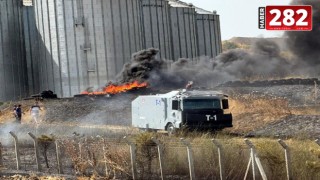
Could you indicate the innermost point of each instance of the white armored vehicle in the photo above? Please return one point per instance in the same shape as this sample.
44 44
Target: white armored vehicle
181 109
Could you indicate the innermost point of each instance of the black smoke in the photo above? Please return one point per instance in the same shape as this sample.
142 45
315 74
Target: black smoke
263 61
142 63
306 44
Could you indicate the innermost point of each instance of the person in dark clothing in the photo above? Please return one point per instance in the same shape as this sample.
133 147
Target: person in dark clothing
18 113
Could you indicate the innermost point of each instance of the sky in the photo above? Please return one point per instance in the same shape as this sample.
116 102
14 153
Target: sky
239 18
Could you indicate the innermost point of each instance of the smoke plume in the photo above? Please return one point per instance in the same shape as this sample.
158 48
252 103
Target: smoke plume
306 44
262 61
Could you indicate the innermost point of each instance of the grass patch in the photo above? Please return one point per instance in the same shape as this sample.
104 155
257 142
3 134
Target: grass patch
305 156
89 157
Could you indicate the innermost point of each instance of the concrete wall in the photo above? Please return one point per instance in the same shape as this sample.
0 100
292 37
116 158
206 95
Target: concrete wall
208 35
70 45
217 31
156 27
76 44
13 70
183 29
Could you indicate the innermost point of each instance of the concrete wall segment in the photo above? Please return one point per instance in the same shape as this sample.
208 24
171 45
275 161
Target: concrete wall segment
13 64
70 45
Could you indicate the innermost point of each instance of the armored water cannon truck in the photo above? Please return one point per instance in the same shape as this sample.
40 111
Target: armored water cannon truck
205 110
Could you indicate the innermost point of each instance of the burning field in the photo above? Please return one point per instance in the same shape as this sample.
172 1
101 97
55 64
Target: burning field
116 89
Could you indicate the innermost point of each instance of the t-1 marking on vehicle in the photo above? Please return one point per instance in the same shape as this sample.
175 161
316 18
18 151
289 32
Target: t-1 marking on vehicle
209 117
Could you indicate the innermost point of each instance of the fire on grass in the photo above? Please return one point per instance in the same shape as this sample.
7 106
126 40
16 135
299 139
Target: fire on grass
115 89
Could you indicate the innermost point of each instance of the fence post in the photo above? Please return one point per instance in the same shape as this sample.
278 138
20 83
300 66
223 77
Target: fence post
317 141
133 157
287 157
253 164
220 156
255 160
190 158
105 157
160 149
80 149
59 164
36 148
1 163
16 148
248 167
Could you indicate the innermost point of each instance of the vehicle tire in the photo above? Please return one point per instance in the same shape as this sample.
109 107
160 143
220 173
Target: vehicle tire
170 129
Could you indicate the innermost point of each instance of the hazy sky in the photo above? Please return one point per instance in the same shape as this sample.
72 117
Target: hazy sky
239 17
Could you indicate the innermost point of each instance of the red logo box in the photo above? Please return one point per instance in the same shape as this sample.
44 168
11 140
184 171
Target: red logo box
289 18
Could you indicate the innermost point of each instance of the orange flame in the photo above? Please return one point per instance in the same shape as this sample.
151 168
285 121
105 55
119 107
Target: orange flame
115 89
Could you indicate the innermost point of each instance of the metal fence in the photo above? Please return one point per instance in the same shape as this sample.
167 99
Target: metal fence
144 158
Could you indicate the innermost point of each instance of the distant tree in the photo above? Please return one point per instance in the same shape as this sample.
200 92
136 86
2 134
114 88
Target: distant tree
227 45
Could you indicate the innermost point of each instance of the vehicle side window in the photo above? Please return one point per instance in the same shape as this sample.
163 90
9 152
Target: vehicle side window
225 104
175 104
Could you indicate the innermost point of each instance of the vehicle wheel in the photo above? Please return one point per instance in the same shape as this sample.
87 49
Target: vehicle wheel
170 129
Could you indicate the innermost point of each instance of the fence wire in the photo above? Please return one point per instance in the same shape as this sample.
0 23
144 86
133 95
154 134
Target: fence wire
111 158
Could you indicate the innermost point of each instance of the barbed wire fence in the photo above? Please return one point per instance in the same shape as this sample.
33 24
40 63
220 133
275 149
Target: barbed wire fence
152 158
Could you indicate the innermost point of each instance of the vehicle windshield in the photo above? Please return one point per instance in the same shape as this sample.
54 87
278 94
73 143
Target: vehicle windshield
201 104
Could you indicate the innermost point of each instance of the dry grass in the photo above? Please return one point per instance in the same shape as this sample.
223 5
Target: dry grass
312 110
110 158
32 177
251 111
305 157
89 157
6 112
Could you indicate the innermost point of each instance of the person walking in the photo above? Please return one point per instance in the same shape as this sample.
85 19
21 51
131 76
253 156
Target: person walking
18 113
35 112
